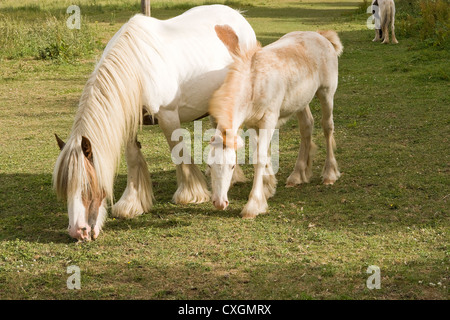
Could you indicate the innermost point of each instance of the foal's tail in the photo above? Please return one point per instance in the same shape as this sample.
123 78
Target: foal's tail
334 39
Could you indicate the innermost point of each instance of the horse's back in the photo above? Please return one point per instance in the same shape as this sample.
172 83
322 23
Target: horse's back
179 61
193 59
220 14
198 22
298 54
312 43
214 13
292 69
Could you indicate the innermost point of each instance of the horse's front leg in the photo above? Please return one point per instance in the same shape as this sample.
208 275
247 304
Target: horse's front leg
138 195
385 32
377 35
394 39
192 187
262 187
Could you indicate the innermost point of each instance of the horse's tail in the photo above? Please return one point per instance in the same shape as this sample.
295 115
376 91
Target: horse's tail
333 37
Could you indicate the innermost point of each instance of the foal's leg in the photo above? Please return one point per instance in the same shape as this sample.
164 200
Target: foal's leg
257 202
330 171
138 195
269 180
192 187
303 167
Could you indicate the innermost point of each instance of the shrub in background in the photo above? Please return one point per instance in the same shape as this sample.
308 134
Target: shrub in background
47 39
427 19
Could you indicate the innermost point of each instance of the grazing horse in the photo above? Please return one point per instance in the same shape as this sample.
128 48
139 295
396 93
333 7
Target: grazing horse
168 68
263 88
384 10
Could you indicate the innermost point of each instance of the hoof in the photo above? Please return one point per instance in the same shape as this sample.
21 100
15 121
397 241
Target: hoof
248 216
254 208
290 185
126 209
328 182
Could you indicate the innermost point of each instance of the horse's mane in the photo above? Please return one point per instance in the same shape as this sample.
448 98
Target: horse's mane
109 112
223 102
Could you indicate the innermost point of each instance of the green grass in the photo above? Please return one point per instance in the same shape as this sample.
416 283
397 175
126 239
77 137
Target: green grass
390 207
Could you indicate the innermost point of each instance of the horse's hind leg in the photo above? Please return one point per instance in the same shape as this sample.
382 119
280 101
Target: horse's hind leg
138 195
386 35
385 30
330 171
303 167
394 39
192 187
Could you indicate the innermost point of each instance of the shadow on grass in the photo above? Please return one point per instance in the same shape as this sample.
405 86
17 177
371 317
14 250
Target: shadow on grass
30 211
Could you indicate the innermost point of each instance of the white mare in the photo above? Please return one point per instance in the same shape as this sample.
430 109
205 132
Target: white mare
263 88
170 68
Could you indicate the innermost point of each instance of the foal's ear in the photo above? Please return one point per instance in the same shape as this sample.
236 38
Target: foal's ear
87 148
61 143
229 38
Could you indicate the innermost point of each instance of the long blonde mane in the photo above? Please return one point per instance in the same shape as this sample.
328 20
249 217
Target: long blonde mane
109 113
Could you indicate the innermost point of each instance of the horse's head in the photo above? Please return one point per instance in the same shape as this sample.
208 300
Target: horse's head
75 180
222 162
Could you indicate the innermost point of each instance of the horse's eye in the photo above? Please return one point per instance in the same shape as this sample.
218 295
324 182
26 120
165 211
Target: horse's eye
233 167
209 166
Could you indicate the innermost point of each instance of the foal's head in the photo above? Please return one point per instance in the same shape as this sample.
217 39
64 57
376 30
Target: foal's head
75 180
222 162
223 145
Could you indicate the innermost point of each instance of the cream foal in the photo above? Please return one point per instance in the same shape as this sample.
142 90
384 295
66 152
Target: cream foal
263 88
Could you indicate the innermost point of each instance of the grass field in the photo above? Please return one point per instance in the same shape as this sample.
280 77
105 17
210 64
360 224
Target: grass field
390 207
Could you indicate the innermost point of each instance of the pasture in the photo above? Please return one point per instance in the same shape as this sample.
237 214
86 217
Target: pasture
390 208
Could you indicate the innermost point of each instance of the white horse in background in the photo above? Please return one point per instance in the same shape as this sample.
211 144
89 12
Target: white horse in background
263 88
384 13
170 68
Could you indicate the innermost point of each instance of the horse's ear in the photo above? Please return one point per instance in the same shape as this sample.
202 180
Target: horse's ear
61 143
229 38
87 148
